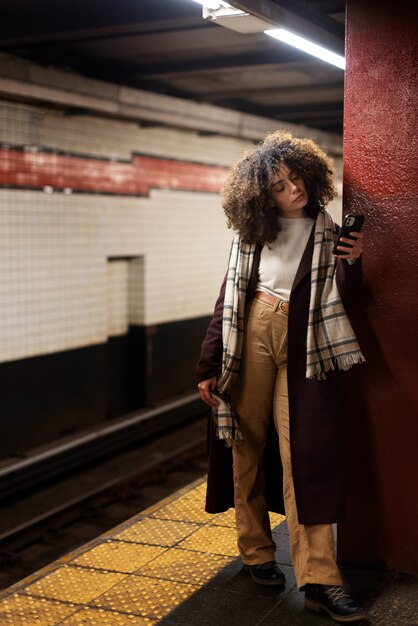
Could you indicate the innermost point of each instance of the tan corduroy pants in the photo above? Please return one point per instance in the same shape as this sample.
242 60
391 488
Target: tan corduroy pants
262 386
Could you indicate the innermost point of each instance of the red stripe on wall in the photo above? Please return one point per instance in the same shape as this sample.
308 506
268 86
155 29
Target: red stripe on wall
39 169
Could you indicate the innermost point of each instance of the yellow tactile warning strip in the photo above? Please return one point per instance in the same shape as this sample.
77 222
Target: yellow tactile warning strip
157 532
185 566
151 597
101 617
74 584
213 540
20 610
135 574
119 556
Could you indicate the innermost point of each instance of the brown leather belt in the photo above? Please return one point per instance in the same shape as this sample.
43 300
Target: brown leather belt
277 303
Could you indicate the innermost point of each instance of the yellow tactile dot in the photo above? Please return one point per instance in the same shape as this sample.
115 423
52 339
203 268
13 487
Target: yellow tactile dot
212 539
74 584
119 556
99 617
185 566
20 610
200 487
157 532
276 519
224 519
188 508
150 597
154 507
199 490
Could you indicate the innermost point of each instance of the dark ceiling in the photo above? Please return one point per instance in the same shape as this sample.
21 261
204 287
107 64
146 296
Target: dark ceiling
165 46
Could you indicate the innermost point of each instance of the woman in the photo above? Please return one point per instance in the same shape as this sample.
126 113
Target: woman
270 365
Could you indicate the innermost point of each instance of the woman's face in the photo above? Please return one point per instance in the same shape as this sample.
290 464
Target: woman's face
288 192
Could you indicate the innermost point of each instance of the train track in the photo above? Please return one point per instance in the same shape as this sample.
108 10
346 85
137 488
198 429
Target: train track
78 503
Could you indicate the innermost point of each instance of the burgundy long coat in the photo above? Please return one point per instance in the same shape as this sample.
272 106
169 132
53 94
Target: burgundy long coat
315 410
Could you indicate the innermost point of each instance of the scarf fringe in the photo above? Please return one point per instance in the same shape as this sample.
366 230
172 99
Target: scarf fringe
231 436
342 362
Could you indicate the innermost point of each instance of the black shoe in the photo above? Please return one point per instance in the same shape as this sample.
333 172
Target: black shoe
335 601
266 573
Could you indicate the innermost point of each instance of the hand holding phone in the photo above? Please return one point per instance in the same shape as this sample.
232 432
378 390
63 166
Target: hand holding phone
351 224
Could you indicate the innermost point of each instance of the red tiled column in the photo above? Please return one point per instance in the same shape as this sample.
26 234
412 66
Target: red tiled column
381 181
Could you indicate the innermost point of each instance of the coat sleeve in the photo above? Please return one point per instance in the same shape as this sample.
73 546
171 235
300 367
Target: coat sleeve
210 362
349 281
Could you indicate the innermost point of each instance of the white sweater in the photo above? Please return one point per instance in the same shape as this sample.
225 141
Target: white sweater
280 260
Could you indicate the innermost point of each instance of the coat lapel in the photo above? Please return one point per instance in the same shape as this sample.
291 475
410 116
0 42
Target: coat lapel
306 260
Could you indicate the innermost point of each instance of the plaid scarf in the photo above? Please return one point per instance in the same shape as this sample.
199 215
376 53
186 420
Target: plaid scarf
239 271
330 343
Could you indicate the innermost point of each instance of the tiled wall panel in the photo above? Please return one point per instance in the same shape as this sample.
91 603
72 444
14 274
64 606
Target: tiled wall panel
184 241
55 278
117 297
21 124
53 264
52 274
112 139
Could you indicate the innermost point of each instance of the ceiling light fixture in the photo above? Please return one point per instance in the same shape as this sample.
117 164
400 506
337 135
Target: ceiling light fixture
307 46
222 8
225 14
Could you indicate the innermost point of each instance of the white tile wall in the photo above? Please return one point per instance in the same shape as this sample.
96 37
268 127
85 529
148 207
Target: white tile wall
21 124
117 297
58 291
136 291
184 241
52 277
83 134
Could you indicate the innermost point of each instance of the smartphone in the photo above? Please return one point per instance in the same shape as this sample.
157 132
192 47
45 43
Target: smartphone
351 224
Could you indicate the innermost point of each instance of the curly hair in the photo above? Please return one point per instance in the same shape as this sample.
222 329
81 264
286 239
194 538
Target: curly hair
246 195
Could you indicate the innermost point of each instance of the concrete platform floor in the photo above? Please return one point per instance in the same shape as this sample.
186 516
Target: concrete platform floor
231 598
173 564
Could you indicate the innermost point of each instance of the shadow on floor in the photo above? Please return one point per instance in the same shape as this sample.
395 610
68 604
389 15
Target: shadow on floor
232 598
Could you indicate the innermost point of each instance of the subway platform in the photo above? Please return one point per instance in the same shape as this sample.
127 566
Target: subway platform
175 564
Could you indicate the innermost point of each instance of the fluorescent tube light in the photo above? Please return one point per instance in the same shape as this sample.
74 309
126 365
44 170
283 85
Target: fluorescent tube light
307 46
